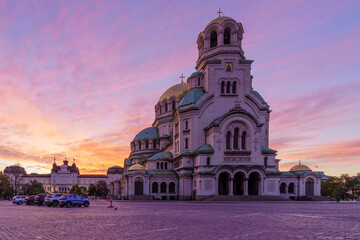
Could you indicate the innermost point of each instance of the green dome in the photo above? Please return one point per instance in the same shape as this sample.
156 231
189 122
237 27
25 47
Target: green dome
148 133
191 97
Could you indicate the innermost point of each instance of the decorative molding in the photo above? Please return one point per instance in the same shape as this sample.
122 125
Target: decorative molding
236 159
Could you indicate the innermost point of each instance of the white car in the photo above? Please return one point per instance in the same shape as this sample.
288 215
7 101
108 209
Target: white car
19 199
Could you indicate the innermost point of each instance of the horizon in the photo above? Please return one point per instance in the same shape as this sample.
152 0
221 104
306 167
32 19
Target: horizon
80 80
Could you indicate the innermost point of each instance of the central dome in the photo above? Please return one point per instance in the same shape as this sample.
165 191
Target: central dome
174 91
219 20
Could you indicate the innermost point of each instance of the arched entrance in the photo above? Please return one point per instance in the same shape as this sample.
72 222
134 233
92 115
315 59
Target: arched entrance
139 186
309 187
254 183
239 183
224 183
283 187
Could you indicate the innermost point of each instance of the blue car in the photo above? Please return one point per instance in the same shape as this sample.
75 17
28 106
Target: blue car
70 200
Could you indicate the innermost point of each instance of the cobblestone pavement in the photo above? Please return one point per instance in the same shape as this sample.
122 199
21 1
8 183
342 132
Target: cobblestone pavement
183 220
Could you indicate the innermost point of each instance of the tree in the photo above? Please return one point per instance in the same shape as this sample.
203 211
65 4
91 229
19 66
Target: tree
33 188
6 191
92 190
101 188
79 190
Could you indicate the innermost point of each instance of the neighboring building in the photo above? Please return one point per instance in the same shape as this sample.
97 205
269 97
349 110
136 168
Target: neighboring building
210 135
62 177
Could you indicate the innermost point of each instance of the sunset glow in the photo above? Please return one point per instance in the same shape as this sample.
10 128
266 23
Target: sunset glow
79 79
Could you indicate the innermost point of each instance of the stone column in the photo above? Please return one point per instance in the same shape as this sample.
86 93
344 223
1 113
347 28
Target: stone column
231 187
246 186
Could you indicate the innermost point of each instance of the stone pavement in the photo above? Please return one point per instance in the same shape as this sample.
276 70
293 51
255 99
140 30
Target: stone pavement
183 220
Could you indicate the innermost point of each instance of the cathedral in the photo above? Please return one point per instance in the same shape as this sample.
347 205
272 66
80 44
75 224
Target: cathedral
210 135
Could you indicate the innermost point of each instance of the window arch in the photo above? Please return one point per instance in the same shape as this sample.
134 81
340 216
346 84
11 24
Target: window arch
147 144
228 139
208 161
154 144
236 138
157 165
283 187
243 140
155 187
213 39
162 165
166 165
166 107
234 87
163 187
172 187
139 145
222 87
228 85
173 105
227 35
291 188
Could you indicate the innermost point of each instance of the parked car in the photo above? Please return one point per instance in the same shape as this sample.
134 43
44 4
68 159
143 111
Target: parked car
39 199
69 200
18 199
52 199
30 200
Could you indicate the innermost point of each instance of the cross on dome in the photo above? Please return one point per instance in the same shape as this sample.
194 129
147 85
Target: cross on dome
219 12
182 78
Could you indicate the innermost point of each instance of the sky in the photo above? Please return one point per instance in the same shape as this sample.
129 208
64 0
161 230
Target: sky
79 79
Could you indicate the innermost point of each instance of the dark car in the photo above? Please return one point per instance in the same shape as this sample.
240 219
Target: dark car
30 200
69 200
39 199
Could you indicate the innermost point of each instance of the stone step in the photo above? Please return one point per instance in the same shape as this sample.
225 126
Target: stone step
245 198
141 197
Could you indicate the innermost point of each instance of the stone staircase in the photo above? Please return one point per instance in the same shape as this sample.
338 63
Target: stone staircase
141 197
227 198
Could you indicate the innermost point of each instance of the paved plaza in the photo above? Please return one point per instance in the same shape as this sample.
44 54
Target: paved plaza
183 220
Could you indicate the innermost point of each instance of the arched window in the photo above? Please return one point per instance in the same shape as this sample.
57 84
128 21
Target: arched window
173 105
186 143
166 107
208 161
139 144
198 81
243 140
228 85
154 144
227 35
222 87
162 165
213 39
234 87
157 165
147 144
172 187
155 187
291 188
283 187
160 108
166 165
163 187
236 138
228 139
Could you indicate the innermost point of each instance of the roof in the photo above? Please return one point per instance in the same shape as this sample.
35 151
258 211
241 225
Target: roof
207 148
92 176
191 97
128 161
174 91
195 74
299 168
161 156
259 96
14 169
219 20
115 170
136 167
147 133
267 150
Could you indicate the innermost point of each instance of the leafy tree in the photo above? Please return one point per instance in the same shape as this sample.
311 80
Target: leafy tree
92 190
79 190
101 188
33 188
344 186
6 191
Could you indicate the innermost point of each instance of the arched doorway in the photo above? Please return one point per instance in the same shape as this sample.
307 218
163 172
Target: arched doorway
139 186
254 183
239 183
224 183
291 188
283 187
309 187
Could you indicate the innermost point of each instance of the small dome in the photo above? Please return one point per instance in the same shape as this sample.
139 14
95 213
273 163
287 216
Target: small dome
15 169
137 167
115 170
300 168
174 91
148 133
219 20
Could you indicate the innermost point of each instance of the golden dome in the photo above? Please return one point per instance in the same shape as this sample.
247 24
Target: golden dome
299 168
174 91
219 20
137 167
